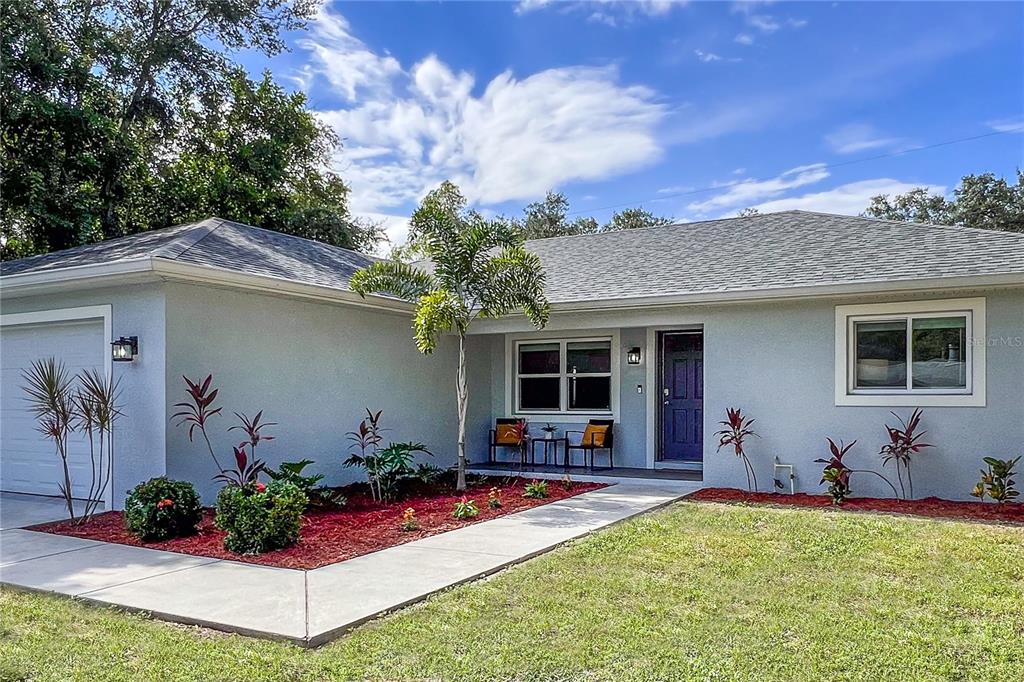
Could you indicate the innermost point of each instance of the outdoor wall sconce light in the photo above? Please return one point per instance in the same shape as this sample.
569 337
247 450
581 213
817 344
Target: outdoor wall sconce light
633 356
124 349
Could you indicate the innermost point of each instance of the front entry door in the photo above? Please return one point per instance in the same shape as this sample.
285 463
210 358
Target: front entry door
682 383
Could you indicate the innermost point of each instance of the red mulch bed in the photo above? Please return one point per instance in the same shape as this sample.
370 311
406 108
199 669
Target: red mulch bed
931 507
328 536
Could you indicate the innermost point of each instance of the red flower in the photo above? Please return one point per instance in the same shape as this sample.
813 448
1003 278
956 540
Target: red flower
166 502
260 487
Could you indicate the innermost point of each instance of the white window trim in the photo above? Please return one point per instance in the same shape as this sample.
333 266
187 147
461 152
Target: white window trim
973 396
91 312
563 415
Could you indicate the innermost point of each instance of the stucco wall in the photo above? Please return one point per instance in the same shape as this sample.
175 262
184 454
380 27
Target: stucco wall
139 438
313 368
776 361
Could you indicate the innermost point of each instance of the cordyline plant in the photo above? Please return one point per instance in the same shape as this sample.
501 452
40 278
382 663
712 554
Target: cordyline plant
479 268
737 430
837 474
64 404
904 442
197 413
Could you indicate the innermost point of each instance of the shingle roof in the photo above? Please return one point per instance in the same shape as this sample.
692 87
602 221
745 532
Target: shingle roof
766 252
756 253
218 243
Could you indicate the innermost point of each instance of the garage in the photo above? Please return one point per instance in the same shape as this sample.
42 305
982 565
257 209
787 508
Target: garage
76 337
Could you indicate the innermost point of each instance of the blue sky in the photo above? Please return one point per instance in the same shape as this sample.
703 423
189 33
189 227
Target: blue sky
693 110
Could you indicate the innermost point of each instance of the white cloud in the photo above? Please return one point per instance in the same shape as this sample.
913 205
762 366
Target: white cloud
707 56
763 22
744 39
859 137
411 128
676 189
627 8
742 193
849 199
796 23
343 59
1007 125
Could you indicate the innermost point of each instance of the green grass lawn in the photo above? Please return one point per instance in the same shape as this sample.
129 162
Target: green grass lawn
693 592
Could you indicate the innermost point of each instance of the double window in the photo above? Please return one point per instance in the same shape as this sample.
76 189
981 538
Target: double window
571 375
924 353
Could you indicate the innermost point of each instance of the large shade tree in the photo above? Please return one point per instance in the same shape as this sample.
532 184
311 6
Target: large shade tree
984 201
477 268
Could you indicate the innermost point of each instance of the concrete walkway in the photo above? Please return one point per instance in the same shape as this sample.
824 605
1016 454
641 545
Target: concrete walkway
309 607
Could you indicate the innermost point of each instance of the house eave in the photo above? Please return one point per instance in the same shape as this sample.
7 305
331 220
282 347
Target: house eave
155 269
782 293
924 286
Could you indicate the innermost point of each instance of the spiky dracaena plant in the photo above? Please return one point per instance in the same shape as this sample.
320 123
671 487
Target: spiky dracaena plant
49 390
479 268
737 430
96 409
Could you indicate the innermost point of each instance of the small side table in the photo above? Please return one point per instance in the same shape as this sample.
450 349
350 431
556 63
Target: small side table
550 444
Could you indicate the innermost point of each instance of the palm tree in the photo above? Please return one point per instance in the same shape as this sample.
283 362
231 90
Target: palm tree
477 268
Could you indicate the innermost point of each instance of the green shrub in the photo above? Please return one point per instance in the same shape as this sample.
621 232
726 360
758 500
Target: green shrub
465 509
537 490
160 509
260 518
997 482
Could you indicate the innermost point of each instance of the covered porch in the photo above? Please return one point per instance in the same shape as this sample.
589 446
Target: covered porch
647 381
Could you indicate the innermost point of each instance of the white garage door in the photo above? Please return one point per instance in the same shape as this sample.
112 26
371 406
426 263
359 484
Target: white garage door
28 461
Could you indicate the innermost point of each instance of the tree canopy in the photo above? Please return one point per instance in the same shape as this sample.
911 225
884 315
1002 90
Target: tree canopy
984 201
111 108
550 218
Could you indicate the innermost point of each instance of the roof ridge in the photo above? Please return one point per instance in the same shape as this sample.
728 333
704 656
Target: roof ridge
227 221
200 231
907 223
674 224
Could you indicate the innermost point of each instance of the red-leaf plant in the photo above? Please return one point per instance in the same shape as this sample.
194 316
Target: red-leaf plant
196 414
736 432
903 443
837 474
198 411
245 472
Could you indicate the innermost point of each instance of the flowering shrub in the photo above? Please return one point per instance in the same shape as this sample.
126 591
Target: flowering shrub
465 509
537 490
494 498
160 509
259 517
409 520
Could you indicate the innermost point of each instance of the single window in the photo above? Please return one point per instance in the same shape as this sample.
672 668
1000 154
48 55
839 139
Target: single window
564 376
911 354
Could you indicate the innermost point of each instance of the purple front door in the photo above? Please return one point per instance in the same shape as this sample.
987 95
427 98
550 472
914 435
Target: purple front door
682 393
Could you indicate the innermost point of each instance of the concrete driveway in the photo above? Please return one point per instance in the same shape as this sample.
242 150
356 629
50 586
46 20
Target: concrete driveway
18 510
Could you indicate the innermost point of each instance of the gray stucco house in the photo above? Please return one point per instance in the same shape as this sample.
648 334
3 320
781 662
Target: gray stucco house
816 325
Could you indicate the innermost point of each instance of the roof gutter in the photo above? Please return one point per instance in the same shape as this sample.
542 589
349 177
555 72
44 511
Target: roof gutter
813 291
156 269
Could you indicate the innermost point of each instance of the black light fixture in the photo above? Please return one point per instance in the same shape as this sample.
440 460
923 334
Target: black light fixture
124 349
633 356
